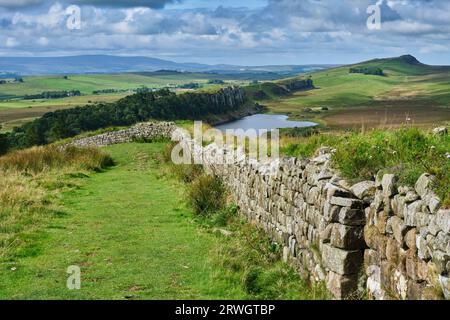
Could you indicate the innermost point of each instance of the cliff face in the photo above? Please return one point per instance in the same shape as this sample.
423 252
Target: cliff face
230 97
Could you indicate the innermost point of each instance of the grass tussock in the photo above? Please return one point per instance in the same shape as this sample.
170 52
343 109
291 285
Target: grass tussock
39 159
30 182
207 194
408 152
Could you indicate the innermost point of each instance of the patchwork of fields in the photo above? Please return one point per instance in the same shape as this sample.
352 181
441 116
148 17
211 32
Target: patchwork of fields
14 110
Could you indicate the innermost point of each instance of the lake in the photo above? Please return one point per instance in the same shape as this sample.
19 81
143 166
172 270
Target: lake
264 122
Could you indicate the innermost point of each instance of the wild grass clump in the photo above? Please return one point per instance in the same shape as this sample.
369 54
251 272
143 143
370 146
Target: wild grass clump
408 152
253 262
39 159
207 194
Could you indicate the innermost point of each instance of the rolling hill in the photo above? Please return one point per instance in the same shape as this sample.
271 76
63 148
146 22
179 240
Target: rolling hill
410 90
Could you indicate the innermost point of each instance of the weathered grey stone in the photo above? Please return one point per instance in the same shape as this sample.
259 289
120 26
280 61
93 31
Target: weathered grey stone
333 190
411 213
312 195
410 239
341 261
434 203
331 212
398 228
411 196
445 285
424 183
364 189
415 290
342 286
392 250
398 205
351 217
371 258
388 184
443 220
347 237
440 260
422 249
346 202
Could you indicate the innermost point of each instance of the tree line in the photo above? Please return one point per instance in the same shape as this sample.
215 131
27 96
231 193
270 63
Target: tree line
375 71
139 107
53 95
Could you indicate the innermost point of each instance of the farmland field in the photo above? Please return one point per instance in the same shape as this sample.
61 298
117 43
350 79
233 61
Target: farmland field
15 110
410 91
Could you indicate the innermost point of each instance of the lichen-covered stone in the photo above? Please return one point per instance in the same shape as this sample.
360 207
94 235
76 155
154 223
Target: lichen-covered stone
342 286
423 184
347 237
388 184
364 189
342 261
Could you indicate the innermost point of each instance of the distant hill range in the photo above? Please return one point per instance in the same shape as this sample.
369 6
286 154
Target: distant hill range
86 64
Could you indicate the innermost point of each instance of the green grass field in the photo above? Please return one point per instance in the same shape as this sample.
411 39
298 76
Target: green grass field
14 110
132 234
408 88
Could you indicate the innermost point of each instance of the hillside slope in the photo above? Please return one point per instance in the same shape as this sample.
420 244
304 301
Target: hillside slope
409 90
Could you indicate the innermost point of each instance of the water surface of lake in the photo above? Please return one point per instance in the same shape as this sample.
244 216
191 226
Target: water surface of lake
264 122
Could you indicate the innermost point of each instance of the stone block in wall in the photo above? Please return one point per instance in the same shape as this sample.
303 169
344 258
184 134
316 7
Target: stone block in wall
364 190
412 267
443 220
445 285
387 270
415 290
333 190
411 213
392 250
388 184
373 283
398 205
342 261
440 259
347 237
342 286
312 195
424 184
397 227
351 217
371 258
380 221
410 239
375 240
346 202
422 247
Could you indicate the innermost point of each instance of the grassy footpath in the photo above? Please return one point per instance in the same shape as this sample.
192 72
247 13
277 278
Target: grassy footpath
133 237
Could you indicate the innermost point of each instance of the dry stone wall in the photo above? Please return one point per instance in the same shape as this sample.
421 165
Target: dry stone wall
408 240
372 237
141 131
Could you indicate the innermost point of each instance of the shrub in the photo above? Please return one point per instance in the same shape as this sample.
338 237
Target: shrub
207 194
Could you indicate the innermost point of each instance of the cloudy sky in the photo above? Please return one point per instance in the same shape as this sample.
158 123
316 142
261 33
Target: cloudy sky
247 32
